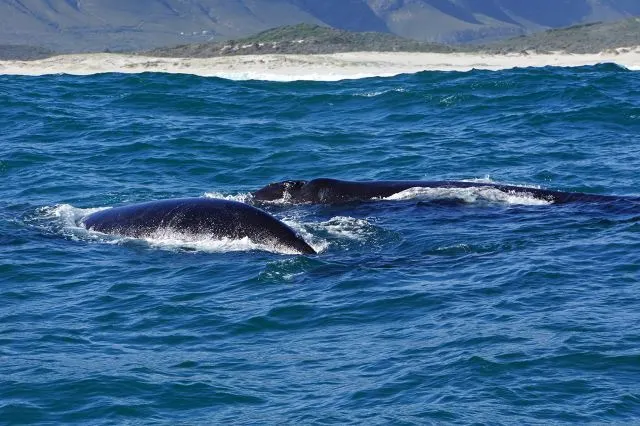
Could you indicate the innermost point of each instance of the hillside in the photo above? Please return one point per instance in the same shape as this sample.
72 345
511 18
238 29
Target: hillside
116 25
302 39
587 38
23 53
314 39
472 21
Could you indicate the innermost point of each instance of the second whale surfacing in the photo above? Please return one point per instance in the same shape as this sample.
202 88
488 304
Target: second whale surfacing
334 191
198 216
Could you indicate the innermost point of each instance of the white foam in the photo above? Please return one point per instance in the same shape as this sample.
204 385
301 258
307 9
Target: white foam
471 195
169 239
337 229
67 220
380 92
67 214
318 244
247 197
347 227
485 179
243 197
457 247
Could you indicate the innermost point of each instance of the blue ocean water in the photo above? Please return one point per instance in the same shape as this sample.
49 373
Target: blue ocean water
489 309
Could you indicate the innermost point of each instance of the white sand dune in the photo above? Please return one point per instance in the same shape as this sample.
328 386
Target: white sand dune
311 67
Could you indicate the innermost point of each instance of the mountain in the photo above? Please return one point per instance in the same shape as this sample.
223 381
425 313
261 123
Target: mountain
96 25
463 21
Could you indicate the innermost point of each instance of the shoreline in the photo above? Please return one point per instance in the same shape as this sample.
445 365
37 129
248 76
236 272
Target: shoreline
321 67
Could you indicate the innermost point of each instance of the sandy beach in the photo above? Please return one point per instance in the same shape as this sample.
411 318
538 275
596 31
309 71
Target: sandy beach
311 67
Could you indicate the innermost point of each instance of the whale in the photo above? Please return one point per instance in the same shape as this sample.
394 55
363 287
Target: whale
335 191
197 216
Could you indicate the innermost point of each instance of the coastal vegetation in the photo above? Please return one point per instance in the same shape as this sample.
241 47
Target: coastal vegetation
315 39
303 39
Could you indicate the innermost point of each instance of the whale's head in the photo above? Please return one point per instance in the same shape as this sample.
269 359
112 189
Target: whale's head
285 190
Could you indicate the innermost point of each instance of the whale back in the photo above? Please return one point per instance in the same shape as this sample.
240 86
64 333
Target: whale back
288 189
335 191
197 216
325 190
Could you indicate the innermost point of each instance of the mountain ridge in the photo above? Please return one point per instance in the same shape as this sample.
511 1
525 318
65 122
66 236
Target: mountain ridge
119 25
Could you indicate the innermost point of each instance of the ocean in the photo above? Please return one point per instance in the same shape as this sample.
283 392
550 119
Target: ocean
458 306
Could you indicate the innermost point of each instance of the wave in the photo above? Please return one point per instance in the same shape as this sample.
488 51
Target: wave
377 93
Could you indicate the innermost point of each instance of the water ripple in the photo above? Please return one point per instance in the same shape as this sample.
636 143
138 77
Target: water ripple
419 309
